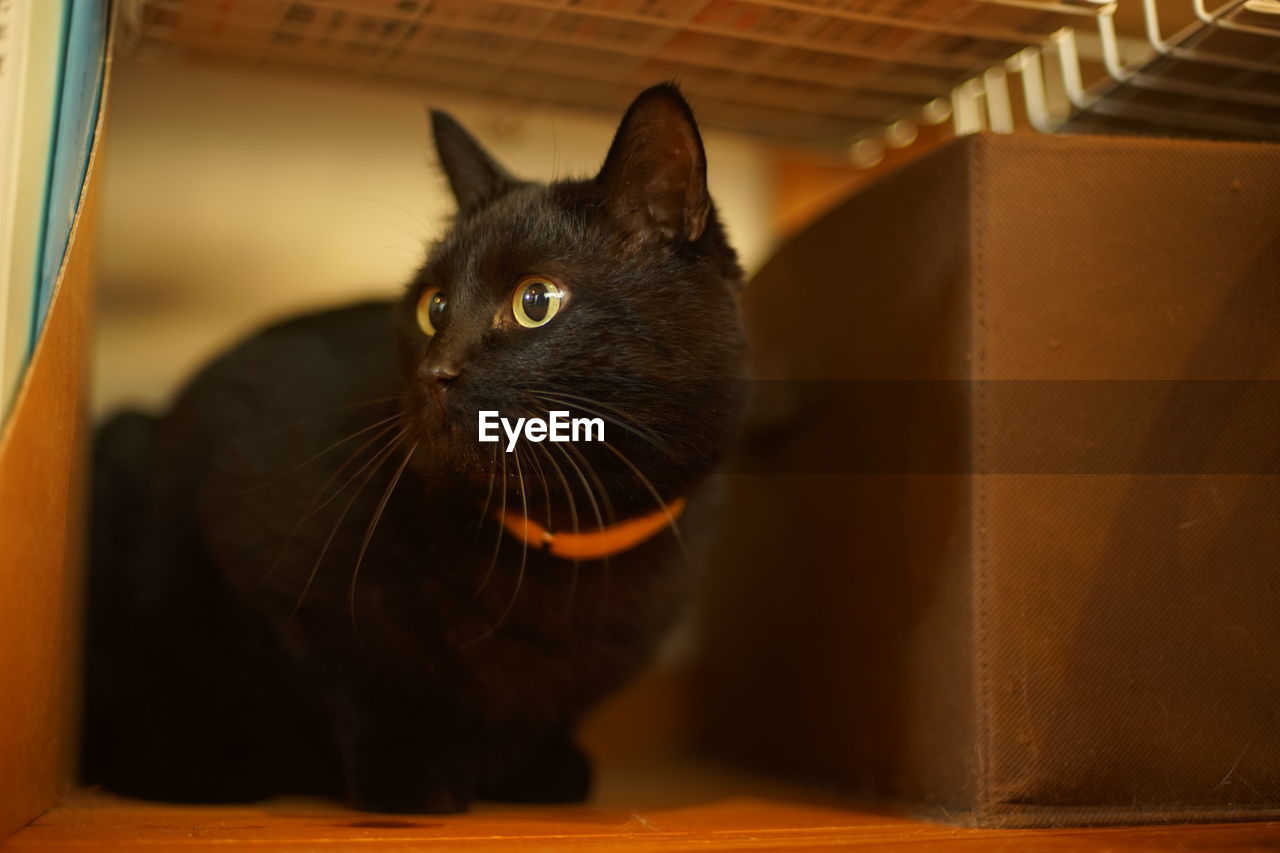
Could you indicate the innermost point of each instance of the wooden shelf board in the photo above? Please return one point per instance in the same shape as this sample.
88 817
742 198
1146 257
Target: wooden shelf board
659 805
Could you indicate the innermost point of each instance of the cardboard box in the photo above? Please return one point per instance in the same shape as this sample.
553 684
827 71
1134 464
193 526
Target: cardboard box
43 462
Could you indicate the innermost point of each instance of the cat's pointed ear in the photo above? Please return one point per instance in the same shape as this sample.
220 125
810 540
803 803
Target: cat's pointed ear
655 174
474 176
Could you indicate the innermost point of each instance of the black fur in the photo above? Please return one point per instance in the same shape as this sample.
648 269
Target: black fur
234 651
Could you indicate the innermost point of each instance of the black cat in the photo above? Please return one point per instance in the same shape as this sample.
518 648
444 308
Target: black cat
309 576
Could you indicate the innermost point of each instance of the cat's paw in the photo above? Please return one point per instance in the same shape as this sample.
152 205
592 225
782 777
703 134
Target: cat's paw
556 772
390 801
390 793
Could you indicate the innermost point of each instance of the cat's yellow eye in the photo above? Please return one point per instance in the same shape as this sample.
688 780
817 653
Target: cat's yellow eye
431 307
536 301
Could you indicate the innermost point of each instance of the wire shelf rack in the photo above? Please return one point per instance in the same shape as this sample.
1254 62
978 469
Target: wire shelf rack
857 75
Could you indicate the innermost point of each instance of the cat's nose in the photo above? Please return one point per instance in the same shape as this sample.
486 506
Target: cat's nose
444 373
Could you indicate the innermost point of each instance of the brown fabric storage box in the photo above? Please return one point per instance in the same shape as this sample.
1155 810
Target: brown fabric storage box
1004 540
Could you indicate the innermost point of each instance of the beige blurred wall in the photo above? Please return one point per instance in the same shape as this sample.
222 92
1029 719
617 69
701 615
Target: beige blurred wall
233 196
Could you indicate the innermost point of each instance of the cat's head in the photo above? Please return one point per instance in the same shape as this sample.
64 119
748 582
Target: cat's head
610 297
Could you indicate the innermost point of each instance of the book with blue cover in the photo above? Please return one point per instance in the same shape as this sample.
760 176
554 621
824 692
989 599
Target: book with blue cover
77 114
51 64
31 41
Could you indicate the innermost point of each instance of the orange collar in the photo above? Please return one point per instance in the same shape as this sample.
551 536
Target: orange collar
592 544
